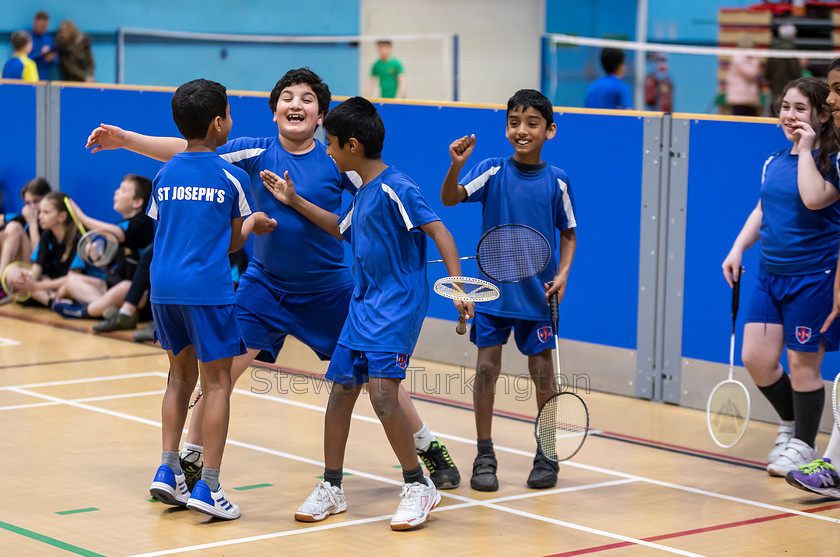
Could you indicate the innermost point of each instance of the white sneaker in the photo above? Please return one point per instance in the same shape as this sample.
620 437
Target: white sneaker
417 501
783 437
795 454
324 500
213 503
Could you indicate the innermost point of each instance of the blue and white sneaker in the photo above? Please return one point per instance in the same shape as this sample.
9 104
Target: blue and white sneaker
214 503
170 488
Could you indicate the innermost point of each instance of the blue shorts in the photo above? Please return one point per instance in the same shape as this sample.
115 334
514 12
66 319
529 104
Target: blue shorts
266 315
352 367
212 330
532 337
800 303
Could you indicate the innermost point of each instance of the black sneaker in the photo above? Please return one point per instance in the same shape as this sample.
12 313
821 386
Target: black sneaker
192 473
442 470
117 322
484 473
544 473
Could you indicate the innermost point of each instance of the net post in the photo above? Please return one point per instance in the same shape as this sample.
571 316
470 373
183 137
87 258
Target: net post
455 67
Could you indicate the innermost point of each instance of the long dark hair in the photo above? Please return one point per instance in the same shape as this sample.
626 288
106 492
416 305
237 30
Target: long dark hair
816 91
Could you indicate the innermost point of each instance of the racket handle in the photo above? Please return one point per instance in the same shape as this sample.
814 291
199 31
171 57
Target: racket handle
553 309
461 327
736 295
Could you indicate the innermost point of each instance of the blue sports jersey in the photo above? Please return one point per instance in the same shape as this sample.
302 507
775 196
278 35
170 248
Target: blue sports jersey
298 256
542 200
391 295
608 92
794 239
195 196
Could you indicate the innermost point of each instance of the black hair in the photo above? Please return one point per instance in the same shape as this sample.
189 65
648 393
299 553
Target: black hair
357 117
611 59
816 91
302 76
36 186
20 39
195 104
142 187
531 98
835 65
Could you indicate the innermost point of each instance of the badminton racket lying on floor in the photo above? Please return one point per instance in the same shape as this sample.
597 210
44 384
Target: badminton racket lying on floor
508 253
728 407
563 420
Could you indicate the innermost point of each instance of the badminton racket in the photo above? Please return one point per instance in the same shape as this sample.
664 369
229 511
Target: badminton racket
511 253
563 420
97 248
467 289
728 407
16 281
73 216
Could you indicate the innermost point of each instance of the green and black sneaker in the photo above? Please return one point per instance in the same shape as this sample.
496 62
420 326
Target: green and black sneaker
442 470
192 472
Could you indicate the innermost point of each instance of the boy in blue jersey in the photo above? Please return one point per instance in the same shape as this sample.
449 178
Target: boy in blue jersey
192 294
297 283
610 91
520 190
389 302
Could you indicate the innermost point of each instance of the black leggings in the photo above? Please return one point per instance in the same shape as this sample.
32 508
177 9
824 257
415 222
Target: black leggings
140 283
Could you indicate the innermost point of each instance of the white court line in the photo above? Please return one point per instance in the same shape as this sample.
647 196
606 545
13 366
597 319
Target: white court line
378 478
490 503
585 466
9 342
88 399
84 380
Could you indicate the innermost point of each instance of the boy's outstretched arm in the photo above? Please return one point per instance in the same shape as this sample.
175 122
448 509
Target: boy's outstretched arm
91 223
284 190
452 193
568 245
449 253
256 223
107 137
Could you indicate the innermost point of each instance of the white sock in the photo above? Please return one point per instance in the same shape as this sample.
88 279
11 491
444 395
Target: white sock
832 451
193 454
423 438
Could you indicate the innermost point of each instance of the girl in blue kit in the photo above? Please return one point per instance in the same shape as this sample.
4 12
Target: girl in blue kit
797 220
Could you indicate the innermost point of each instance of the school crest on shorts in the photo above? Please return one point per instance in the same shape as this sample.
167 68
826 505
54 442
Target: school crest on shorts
803 334
402 360
544 333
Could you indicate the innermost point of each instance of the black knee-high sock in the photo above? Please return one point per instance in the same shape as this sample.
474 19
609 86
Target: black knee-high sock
808 407
780 395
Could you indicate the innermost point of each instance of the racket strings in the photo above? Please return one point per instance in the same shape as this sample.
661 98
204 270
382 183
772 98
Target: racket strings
466 288
729 408
562 426
513 253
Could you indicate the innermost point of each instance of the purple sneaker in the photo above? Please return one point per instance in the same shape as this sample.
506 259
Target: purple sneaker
820 477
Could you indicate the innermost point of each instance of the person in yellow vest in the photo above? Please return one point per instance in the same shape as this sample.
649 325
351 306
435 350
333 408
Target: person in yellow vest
20 66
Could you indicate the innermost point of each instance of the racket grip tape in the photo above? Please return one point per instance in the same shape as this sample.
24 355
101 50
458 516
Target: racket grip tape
461 327
554 311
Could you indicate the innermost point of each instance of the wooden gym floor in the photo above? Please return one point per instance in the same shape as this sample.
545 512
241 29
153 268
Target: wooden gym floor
80 417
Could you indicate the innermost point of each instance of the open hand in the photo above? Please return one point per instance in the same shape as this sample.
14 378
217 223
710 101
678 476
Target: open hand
282 188
106 137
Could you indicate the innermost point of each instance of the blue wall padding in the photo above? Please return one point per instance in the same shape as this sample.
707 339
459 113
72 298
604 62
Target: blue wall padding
17 143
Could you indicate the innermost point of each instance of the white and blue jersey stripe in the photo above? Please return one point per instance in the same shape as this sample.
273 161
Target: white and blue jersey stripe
391 294
298 256
795 240
541 199
195 196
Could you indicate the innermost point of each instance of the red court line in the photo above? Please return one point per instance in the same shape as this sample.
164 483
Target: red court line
692 532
